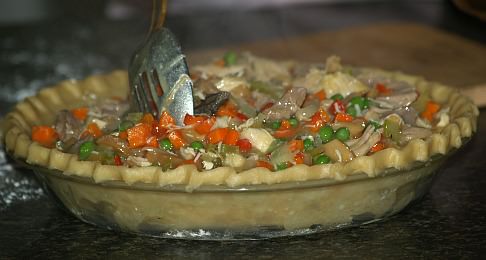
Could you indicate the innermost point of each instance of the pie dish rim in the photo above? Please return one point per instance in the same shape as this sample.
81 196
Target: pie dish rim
15 132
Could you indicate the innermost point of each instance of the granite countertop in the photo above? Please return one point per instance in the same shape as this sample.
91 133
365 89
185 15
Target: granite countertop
449 222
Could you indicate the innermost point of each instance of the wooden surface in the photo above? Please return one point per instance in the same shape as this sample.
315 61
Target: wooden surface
406 47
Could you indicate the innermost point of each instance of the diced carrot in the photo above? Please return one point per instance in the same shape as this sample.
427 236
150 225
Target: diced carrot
137 135
343 117
264 164
147 118
428 116
166 120
123 135
188 162
205 126
44 135
296 145
152 141
217 135
316 123
285 124
299 158
190 119
321 95
177 139
244 145
94 130
80 113
285 133
324 116
377 147
431 108
231 137
382 89
157 130
319 119
228 109
337 107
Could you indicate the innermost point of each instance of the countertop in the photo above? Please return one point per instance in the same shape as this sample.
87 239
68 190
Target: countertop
450 222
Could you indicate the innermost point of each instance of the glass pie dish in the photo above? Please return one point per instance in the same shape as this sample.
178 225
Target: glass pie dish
223 204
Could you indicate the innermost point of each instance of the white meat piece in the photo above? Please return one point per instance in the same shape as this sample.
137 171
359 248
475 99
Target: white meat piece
335 83
234 160
402 94
261 139
443 116
229 83
287 105
218 71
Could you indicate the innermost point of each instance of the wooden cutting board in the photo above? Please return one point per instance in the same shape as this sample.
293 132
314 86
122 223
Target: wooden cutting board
407 47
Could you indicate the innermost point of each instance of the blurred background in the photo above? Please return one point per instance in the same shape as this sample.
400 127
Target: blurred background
45 41
235 19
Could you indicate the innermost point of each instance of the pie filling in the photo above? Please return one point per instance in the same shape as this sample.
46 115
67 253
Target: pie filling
255 112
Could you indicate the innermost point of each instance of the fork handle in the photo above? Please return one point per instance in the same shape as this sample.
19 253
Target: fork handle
159 11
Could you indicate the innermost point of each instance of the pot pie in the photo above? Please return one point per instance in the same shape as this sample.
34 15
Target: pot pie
259 125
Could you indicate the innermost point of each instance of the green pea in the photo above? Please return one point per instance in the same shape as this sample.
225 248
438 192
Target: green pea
375 124
326 133
197 145
367 103
276 125
321 159
352 111
165 144
124 125
308 144
337 97
85 150
342 134
294 122
281 166
360 101
230 58
107 155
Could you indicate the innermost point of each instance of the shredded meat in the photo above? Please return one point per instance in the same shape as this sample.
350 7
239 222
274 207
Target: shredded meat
287 105
67 126
309 108
114 108
408 114
116 143
402 94
362 145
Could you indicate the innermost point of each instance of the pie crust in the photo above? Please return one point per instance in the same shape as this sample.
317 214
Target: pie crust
42 108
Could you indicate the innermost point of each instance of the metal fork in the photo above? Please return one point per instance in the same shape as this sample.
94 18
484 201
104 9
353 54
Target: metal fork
158 74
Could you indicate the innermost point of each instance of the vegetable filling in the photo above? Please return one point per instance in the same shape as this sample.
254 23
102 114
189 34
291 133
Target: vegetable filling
255 112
